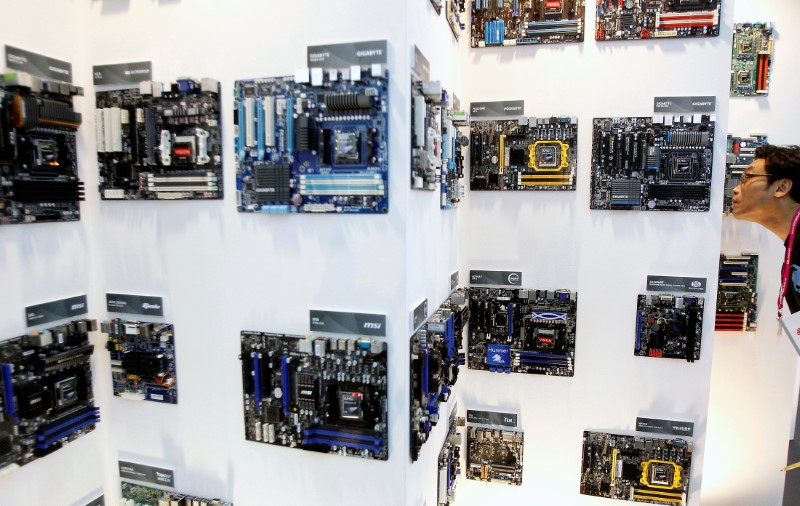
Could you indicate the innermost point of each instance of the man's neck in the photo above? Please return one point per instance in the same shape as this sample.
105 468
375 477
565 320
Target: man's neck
780 222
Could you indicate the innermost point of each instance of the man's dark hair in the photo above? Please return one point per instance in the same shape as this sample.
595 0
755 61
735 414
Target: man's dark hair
782 162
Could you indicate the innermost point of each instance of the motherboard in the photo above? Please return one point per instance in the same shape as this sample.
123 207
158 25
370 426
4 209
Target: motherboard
741 152
142 360
737 306
320 394
636 469
450 461
38 155
316 145
435 358
141 495
454 10
46 399
160 141
494 455
652 164
520 22
751 59
669 326
656 19
524 154
522 331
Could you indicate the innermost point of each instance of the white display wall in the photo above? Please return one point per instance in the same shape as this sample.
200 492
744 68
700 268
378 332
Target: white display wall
221 272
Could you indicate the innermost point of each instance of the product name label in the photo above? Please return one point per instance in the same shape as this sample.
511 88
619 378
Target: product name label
676 283
146 474
685 105
344 55
347 323
47 312
419 314
503 108
422 68
669 427
123 73
503 278
38 65
134 304
491 418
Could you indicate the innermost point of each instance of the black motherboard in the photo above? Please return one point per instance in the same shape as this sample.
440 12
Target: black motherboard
669 326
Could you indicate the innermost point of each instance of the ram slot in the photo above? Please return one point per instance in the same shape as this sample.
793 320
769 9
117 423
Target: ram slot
241 129
450 338
50 433
249 121
691 332
257 380
502 153
638 330
425 379
260 128
290 125
116 130
8 392
99 130
360 439
285 384
268 106
342 184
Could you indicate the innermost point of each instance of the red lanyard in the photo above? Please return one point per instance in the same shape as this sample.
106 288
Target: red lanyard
787 259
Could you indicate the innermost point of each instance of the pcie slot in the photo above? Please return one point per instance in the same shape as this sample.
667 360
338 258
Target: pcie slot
670 20
210 187
290 125
210 178
341 184
243 126
638 330
260 128
269 121
48 436
425 370
257 380
450 338
549 28
249 121
502 164
285 384
691 332
68 358
8 393
533 358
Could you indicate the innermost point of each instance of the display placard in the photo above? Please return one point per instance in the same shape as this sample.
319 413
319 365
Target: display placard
492 418
503 278
670 427
146 474
500 109
100 501
684 105
47 312
422 68
347 54
347 323
419 314
676 283
123 73
134 304
454 280
38 65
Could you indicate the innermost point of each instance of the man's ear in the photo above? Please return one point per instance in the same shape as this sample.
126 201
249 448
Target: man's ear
784 187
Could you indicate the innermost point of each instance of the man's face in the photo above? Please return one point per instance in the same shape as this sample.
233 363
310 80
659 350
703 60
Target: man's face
752 198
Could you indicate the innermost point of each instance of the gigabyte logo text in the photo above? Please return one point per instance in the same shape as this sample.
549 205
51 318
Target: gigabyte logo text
369 52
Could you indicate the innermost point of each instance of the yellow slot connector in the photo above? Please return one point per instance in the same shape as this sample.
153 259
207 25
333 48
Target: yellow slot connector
502 152
614 466
541 166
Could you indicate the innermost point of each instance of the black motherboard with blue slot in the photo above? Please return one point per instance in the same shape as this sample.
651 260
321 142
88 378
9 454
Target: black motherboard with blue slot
522 331
669 326
46 398
450 461
495 455
160 141
524 154
142 360
435 358
652 164
140 495
320 394
741 152
319 146
522 22
656 19
637 469
737 306
38 155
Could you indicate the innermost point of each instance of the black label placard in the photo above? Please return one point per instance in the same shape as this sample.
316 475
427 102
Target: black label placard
684 105
676 283
146 474
419 314
492 418
100 501
56 310
123 73
38 65
503 108
134 304
670 427
347 54
421 65
454 280
504 278
347 323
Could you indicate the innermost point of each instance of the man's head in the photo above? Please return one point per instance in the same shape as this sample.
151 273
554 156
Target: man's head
768 184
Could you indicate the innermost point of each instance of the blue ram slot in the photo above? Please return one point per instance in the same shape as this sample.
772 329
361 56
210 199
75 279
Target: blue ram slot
432 404
8 393
450 338
285 384
43 445
290 126
532 354
240 141
651 167
638 329
510 323
257 379
332 442
425 371
627 203
343 435
67 423
260 116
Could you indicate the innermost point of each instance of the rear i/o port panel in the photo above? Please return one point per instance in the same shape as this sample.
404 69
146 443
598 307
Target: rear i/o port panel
741 152
318 146
38 156
522 331
524 154
652 164
142 360
636 469
160 141
320 394
494 455
141 495
521 22
737 306
450 461
656 19
751 59
669 326
46 398
435 358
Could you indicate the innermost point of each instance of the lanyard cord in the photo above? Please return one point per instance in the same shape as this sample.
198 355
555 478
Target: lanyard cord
786 270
